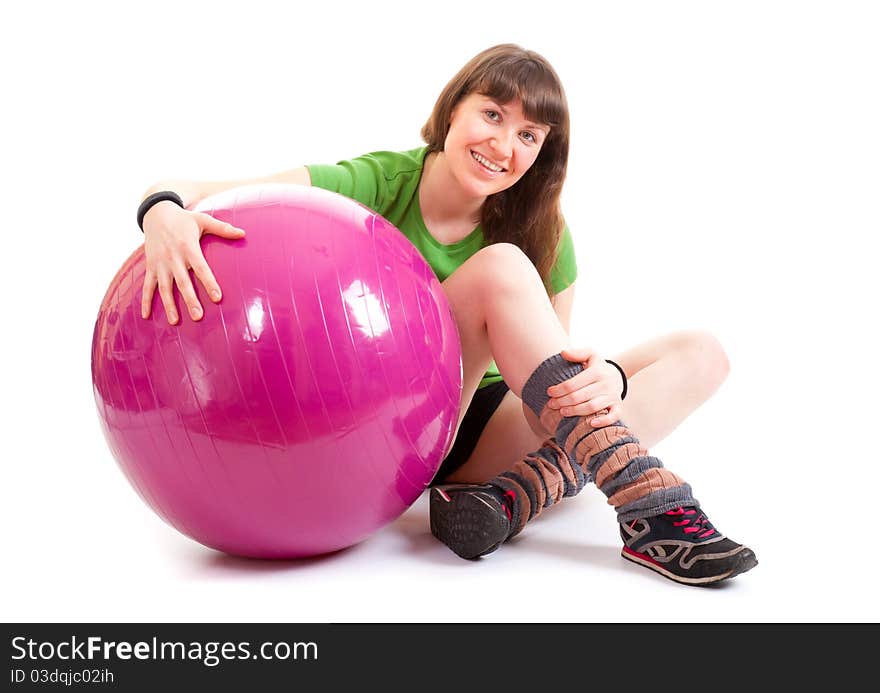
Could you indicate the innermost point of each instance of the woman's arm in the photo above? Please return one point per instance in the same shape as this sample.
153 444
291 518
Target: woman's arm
171 240
192 192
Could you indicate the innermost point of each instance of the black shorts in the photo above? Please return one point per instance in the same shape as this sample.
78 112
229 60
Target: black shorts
484 403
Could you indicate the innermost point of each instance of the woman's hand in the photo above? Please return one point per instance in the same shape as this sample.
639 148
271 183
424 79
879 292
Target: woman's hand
595 390
171 246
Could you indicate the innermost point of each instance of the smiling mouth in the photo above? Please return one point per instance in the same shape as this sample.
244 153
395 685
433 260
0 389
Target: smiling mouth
485 163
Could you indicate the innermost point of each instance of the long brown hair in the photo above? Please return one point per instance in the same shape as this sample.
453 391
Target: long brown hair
528 213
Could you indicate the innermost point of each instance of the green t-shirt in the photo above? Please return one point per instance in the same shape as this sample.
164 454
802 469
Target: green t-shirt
388 183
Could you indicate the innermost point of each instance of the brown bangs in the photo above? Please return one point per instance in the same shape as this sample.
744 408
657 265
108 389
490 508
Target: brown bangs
527 80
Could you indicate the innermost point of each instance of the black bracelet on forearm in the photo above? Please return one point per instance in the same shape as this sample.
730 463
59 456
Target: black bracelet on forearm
622 375
153 199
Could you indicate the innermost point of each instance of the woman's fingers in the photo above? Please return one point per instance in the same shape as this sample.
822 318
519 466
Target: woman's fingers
601 409
606 418
180 276
147 294
578 354
574 391
587 407
566 389
166 293
187 292
219 228
206 277
196 259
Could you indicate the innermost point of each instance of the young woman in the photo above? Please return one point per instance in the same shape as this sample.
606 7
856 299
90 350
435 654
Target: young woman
538 420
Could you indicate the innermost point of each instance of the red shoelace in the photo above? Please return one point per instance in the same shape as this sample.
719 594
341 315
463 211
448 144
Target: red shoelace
699 525
509 500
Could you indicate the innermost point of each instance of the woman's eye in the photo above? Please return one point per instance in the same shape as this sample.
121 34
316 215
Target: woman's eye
492 115
530 137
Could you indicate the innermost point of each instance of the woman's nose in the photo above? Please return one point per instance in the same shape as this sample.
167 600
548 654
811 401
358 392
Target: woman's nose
502 144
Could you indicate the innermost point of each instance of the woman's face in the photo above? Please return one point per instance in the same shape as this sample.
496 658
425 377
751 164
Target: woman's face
491 145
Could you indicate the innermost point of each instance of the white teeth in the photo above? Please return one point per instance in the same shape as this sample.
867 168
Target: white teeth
488 164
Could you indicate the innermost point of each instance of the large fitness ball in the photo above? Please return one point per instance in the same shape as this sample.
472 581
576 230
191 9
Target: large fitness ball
307 409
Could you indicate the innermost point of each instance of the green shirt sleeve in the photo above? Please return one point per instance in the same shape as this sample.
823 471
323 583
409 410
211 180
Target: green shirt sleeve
362 179
564 272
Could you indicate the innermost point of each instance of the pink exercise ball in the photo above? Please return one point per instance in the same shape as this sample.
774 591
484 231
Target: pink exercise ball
307 409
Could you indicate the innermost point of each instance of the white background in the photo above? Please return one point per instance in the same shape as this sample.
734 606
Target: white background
723 176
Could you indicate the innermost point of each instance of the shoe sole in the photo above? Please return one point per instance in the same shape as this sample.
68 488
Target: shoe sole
459 520
747 561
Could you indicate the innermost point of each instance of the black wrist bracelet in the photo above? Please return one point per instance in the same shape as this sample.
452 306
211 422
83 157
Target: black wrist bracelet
153 199
622 375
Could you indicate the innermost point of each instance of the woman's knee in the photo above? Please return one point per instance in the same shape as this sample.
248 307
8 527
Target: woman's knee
705 355
497 266
505 264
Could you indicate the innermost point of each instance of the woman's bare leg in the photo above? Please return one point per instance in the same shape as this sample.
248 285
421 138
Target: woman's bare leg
502 311
669 378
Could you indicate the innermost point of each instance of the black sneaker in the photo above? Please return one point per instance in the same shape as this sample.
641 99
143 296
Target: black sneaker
684 546
472 520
